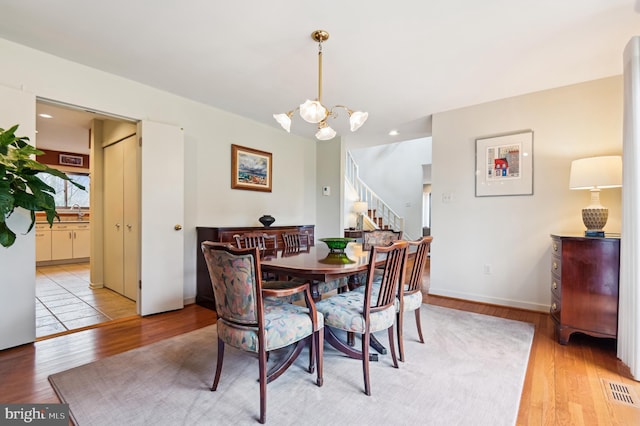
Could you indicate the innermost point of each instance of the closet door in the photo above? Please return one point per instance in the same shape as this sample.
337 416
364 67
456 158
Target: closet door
131 217
113 218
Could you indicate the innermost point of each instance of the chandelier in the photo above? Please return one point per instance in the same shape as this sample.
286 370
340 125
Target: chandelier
314 111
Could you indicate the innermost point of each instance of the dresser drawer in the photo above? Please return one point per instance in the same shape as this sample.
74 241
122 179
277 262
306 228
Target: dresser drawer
556 286
556 266
556 308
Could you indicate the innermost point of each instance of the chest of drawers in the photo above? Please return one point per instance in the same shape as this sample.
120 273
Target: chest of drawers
584 286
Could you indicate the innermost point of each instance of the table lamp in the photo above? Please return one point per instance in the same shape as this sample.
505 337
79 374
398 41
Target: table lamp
360 207
596 173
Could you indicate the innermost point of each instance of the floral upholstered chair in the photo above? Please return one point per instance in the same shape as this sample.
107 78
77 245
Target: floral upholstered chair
256 319
410 294
363 312
379 237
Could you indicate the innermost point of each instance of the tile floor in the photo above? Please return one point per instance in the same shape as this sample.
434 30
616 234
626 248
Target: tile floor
64 300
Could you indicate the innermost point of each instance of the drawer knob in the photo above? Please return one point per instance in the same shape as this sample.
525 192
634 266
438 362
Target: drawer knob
555 246
555 265
554 285
554 307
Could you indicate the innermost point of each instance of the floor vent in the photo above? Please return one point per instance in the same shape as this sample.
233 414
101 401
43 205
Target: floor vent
621 393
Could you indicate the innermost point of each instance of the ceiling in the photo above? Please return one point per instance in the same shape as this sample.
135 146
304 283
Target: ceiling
401 61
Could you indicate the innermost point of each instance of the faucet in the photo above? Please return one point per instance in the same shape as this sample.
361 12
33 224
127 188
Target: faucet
80 212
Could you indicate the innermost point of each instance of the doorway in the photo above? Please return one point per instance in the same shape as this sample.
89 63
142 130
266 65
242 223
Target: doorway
66 296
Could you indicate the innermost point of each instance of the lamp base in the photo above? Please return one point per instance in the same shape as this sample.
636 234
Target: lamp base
595 218
599 234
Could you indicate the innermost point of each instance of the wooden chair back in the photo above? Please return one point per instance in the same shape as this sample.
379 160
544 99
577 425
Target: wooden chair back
414 283
255 239
296 240
391 275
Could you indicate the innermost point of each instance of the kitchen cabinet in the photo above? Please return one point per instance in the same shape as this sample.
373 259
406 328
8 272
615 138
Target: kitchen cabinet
63 241
43 242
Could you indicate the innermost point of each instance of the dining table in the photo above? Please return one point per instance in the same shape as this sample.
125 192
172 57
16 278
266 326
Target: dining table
318 264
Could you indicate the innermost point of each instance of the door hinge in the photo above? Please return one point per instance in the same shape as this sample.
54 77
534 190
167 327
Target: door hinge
140 141
140 284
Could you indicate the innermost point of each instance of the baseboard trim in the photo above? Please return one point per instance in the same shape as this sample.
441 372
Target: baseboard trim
489 300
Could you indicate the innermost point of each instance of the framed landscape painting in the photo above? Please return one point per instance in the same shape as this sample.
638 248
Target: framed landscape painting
250 169
504 165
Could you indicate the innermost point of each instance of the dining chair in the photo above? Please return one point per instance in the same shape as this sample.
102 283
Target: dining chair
261 241
296 240
256 239
379 237
365 312
410 294
255 318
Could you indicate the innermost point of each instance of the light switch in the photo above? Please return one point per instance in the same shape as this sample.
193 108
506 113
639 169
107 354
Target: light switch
326 190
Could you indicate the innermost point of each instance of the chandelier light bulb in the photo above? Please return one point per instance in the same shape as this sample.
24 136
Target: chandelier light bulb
325 132
284 120
313 111
357 119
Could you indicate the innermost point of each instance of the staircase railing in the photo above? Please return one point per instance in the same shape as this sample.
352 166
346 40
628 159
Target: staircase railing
382 210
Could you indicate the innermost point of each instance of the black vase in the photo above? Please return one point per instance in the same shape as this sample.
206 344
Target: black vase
266 220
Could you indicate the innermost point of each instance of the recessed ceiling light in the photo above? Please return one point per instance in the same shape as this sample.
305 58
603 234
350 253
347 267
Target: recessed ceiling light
45 115
393 133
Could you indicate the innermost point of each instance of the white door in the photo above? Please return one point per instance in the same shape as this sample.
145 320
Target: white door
113 218
161 217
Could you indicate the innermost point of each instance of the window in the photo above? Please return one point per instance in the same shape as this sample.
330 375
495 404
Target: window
68 194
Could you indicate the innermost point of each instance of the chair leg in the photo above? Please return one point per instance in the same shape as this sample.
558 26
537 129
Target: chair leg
418 325
311 341
399 322
365 362
218 364
319 337
262 366
392 346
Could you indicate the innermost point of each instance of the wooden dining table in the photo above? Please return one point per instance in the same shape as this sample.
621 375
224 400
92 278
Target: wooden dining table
318 264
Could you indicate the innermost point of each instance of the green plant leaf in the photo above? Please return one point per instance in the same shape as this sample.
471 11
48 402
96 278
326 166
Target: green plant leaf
20 185
7 236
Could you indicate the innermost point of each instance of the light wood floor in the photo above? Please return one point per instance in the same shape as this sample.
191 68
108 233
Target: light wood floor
65 300
562 386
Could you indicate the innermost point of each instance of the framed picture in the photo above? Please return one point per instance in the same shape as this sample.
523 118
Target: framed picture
250 169
504 165
71 160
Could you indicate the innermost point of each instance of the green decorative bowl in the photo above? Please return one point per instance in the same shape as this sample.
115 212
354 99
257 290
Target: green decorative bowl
337 244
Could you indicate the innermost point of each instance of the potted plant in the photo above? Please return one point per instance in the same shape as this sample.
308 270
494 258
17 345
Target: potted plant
20 186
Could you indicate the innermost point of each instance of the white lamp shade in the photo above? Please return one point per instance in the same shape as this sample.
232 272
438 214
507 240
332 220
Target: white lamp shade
357 119
284 120
313 111
325 133
596 172
360 206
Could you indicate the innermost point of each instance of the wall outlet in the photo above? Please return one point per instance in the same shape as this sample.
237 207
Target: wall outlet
447 197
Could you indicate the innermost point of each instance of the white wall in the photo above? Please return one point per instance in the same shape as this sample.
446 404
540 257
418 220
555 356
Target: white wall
17 263
395 173
511 234
209 133
330 163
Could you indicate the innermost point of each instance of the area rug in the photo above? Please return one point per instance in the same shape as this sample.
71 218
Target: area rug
470 371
